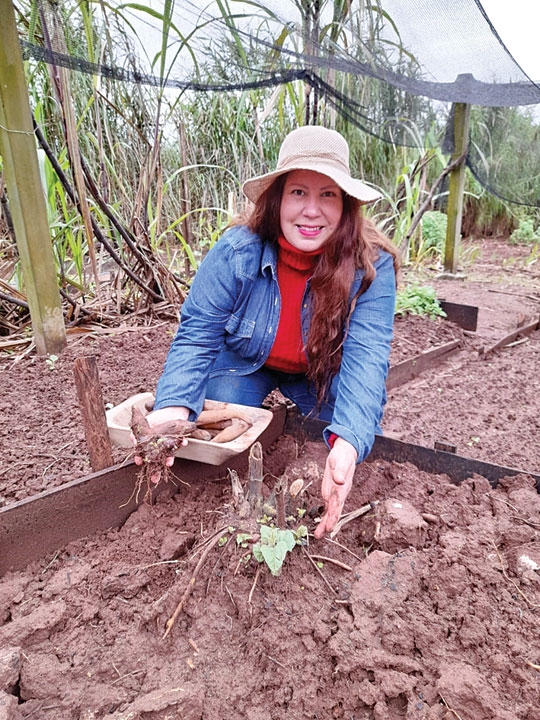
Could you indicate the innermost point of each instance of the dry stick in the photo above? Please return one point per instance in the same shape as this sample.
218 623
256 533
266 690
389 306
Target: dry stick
191 584
97 232
89 393
250 596
352 516
318 569
14 300
279 490
505 575
447 706
344 547
324 558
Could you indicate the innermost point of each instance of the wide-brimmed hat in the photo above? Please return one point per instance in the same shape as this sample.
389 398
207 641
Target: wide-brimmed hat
314 148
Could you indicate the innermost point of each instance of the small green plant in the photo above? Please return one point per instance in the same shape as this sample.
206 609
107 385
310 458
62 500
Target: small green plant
51 361
525 233
275 543
418 300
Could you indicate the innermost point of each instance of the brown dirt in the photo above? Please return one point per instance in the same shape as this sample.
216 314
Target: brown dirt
432 613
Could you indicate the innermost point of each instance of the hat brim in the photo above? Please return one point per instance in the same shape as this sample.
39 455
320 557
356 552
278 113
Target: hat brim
254 187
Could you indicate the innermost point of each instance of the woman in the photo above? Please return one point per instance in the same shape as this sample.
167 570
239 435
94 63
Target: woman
298 295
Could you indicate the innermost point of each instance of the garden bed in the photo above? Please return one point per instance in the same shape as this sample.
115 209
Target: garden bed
425 607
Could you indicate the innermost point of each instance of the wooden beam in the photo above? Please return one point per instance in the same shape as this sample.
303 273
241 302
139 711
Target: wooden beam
25 193
461 113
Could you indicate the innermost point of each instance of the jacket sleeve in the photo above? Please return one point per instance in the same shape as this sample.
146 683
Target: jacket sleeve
361 381
204 316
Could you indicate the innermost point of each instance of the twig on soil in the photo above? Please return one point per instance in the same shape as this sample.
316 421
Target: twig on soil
531 664
344 547
531 523
447 706
324 558
191 584
318 569
129 674
352 516
506 576
250 596
277 662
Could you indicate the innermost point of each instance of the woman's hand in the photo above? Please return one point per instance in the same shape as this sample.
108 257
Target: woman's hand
158 417
336 484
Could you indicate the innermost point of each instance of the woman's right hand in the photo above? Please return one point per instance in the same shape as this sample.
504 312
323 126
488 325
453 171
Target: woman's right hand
159 417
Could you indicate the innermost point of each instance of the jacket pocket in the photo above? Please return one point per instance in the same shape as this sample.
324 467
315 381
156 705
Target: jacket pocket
241 327
240 336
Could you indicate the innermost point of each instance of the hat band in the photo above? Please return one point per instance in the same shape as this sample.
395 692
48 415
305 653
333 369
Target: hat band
300 159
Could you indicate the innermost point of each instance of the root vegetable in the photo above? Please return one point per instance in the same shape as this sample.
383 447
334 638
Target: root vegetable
155 445
235 429
209 417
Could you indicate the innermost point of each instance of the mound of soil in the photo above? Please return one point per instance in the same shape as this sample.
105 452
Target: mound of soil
425 607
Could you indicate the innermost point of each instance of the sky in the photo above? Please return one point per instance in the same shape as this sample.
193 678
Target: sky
518 24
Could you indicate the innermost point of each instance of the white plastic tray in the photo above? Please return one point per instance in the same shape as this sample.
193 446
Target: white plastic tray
119 419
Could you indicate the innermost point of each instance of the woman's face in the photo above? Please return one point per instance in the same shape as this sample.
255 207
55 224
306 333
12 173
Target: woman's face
311 208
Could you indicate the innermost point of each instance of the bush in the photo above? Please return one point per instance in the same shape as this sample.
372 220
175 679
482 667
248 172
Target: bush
418 300
434 225
525 233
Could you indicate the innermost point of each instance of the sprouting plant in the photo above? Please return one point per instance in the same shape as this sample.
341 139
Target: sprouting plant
275 543
51 361
418 300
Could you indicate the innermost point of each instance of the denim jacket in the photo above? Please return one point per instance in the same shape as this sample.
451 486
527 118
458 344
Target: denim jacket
229 322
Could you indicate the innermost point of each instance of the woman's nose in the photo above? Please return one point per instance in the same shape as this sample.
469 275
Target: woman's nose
312 206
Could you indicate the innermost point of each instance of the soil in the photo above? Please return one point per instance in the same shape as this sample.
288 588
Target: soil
425 607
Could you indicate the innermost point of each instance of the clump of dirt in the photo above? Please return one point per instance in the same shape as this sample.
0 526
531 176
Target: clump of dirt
424 607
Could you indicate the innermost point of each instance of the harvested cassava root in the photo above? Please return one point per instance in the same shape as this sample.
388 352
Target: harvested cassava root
156 444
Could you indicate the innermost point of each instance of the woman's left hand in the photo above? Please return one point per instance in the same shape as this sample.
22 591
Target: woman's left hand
336 484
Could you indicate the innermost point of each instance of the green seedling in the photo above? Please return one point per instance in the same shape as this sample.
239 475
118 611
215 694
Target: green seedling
51 361
242 539
275 544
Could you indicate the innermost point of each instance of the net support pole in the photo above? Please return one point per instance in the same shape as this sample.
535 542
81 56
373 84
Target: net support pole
25 193
461 113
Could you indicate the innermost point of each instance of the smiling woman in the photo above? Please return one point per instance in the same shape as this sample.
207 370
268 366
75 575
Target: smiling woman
298 295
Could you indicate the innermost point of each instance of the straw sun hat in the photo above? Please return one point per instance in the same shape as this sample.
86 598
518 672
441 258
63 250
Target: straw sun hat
314 148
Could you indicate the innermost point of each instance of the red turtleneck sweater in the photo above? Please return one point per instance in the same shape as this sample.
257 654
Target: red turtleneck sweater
294 268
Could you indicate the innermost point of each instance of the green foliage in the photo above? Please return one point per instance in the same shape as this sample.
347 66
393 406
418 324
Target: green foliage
168 164
434 225
275 544
525 233
418 300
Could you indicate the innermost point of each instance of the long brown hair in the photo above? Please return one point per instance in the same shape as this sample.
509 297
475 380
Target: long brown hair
355 244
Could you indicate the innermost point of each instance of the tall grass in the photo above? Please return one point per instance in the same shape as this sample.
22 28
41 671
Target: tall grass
140 180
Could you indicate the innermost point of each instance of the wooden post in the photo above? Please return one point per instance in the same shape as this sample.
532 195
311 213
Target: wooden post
461 112
86 375
25 192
